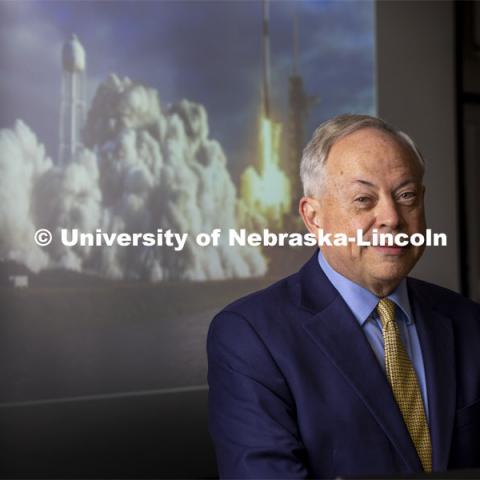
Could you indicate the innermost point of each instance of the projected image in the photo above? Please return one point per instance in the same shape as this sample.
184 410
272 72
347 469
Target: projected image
167 118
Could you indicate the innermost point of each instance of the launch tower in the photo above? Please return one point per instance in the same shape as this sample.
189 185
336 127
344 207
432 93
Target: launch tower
73 107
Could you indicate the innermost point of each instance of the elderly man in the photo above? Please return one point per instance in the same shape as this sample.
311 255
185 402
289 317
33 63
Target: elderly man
348 367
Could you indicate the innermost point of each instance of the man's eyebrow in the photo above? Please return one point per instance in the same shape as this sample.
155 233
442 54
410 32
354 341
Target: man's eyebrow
406 182
364 182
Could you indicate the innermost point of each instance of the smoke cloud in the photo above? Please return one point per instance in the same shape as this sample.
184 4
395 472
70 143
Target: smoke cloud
144 167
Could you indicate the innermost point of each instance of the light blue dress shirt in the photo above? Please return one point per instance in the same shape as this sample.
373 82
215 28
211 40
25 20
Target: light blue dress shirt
362 303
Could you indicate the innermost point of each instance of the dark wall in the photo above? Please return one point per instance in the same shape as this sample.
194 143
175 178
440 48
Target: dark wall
149 436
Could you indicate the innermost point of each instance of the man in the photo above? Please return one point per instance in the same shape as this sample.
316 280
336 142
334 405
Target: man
348 367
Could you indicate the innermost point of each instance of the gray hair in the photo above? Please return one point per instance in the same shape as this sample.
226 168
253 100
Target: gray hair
316 152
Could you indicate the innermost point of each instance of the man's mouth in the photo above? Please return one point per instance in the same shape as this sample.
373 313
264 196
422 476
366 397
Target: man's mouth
391 250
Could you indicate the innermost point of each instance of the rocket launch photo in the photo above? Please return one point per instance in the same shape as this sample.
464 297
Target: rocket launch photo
128 116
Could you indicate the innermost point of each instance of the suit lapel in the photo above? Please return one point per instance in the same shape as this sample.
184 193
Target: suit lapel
338 334
335 330
436 339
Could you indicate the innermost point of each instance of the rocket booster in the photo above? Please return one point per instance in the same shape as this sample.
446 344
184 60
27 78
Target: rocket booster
266 60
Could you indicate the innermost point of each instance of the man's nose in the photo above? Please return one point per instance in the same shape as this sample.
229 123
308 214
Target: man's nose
387 214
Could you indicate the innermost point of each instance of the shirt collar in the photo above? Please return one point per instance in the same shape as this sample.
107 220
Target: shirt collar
361 301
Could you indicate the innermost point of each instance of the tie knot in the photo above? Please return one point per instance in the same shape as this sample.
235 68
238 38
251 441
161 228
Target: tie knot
386 310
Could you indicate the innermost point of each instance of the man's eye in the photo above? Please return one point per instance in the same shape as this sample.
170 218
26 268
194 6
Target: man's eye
407 195
362 200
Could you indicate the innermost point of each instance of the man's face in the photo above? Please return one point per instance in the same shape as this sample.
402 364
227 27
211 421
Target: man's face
371 181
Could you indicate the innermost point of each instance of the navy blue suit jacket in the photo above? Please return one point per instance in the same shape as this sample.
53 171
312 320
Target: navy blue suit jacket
296 390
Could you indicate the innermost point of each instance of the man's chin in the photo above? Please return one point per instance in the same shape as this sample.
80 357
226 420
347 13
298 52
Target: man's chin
397 260
393 272
389 267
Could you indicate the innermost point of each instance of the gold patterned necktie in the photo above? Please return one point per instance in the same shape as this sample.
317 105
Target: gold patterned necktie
404 383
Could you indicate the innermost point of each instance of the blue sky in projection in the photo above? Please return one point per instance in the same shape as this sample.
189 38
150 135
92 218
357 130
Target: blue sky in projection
208 52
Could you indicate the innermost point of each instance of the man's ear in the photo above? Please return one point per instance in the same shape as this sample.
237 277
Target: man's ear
309 209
